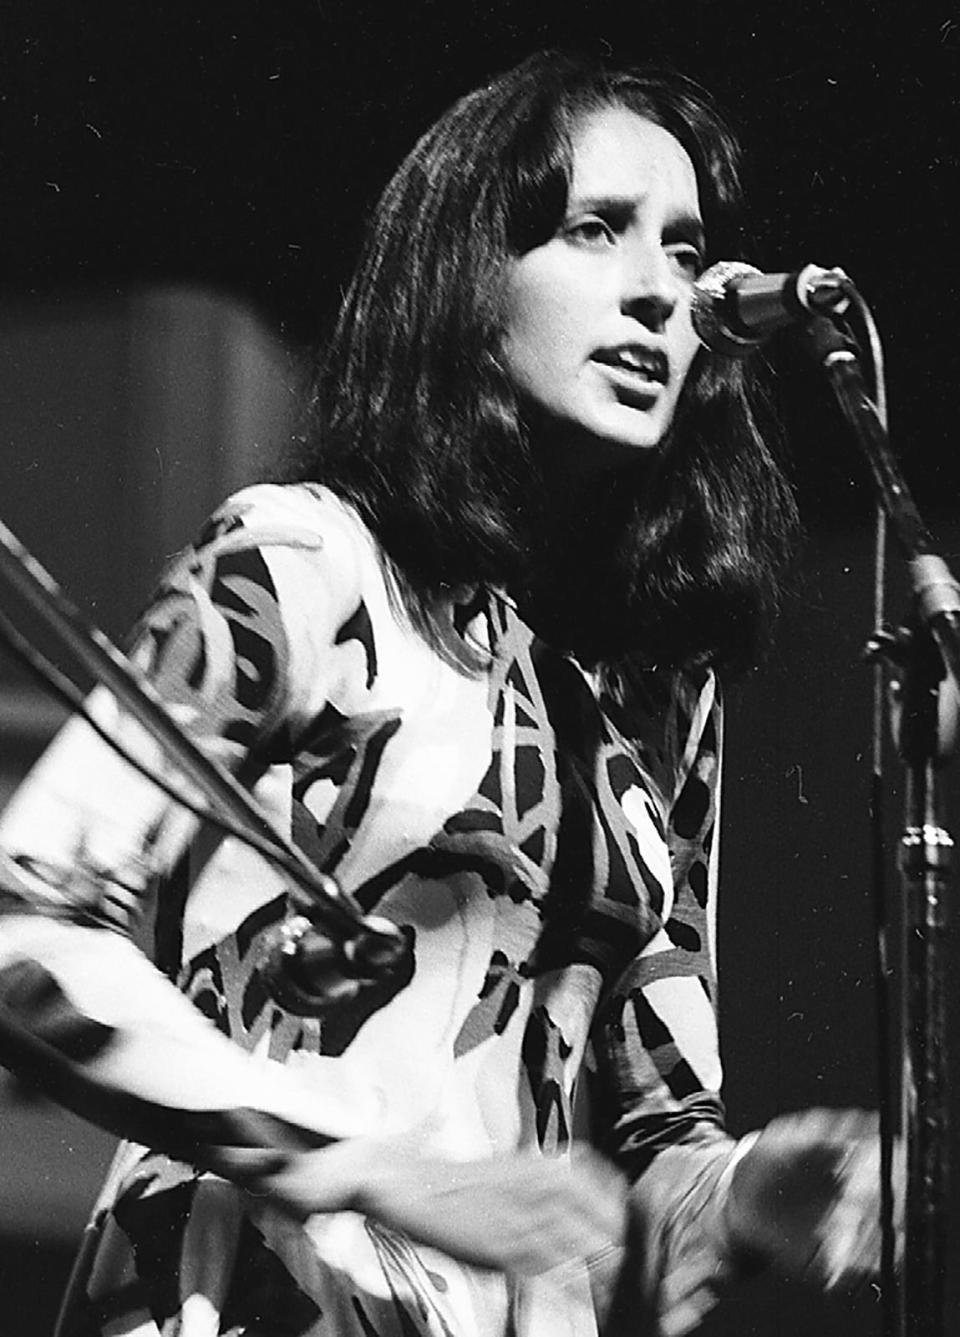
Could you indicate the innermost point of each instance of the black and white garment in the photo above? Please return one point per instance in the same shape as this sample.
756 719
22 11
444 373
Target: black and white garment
551 854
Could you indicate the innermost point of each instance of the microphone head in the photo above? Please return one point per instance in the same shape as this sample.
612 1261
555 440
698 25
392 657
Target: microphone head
710 297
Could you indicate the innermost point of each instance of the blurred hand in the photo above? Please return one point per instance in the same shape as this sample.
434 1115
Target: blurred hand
521 1214
806 1196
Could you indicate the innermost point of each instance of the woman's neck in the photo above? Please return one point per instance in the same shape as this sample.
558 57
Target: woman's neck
578 576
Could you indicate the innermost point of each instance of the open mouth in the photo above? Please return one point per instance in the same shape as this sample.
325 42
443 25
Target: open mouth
636 365
637 375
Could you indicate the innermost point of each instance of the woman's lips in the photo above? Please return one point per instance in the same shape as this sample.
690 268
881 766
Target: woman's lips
650 363
634 372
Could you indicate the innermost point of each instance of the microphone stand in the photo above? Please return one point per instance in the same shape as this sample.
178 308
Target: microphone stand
925 656
326 948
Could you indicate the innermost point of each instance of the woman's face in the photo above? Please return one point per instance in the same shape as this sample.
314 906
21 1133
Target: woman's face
597 319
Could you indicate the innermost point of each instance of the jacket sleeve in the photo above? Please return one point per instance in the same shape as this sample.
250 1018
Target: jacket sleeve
657 1051
83 1012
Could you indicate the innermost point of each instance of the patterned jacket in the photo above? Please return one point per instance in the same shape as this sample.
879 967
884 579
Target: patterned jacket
551 854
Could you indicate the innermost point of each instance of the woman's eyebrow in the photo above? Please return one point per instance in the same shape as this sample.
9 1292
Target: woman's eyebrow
600 204
684 226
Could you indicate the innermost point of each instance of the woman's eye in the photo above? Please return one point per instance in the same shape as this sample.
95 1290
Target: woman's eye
687 260
592 231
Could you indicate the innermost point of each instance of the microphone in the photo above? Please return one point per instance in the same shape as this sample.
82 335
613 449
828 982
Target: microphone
735 306
308 971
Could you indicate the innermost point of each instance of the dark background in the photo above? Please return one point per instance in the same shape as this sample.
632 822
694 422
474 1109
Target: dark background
240 144
238 147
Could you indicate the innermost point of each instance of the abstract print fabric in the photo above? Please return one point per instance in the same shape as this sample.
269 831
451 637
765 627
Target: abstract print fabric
549 852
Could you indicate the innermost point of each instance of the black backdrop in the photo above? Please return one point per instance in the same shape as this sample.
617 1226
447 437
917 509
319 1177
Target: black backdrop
240 144
241 141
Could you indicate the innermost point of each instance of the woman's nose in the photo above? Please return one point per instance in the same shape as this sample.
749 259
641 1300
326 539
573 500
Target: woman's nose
650 287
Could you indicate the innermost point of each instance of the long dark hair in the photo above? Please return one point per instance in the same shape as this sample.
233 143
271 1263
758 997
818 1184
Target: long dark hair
414 421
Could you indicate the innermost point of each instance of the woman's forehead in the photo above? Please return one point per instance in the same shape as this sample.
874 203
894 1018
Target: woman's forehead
617 151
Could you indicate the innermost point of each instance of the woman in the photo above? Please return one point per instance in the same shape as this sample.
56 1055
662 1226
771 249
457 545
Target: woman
468 657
